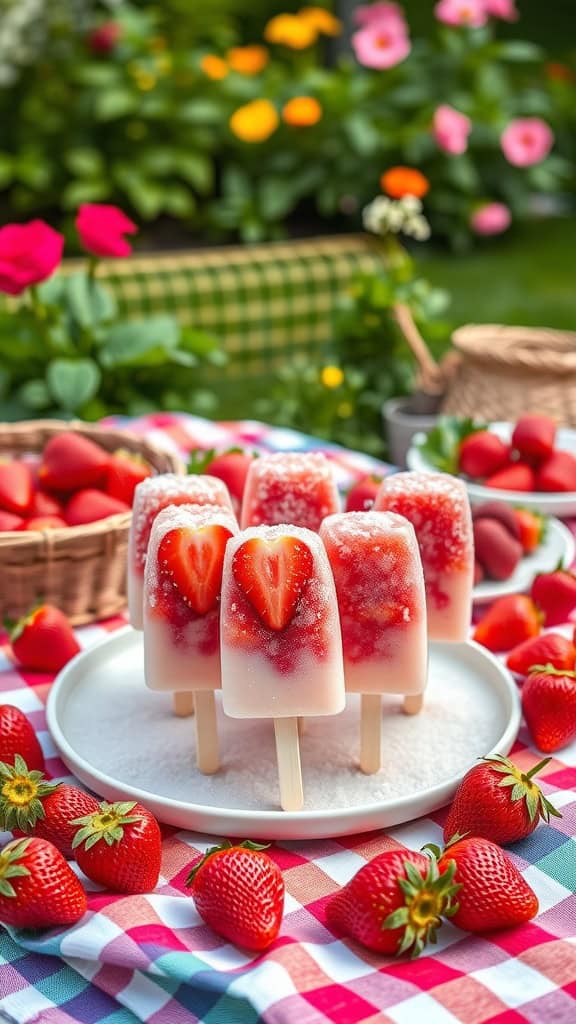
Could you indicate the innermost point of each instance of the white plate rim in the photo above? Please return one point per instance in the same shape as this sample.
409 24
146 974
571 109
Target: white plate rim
492 589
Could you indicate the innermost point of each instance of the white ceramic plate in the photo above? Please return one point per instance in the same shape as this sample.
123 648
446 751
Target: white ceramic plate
551 504
557 547
123 741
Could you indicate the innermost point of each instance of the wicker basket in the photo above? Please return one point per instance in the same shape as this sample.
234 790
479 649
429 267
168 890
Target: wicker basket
81 569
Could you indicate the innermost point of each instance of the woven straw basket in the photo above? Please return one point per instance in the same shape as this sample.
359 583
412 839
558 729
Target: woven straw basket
80 569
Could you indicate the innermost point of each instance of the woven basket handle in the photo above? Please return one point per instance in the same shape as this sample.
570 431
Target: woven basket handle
430 377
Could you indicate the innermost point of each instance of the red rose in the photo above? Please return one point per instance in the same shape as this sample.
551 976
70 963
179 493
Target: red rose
102 229
29 253
104 38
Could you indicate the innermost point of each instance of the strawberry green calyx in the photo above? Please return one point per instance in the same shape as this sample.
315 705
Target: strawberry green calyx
227 845
523 787
15 629
427 900
9 868
106 824
21 793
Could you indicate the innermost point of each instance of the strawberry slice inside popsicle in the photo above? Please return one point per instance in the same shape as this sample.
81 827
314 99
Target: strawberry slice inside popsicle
193 559
273 574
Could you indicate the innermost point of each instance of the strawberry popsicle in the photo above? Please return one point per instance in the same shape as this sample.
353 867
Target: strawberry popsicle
437 506
289 487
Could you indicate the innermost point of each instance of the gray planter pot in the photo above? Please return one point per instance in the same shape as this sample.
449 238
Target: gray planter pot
404 417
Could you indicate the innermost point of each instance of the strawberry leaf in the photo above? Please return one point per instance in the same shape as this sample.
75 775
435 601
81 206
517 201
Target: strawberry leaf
441 445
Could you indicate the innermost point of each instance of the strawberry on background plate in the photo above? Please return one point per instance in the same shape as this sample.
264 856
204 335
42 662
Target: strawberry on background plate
239 892
230 466
272 574
549 707
71 461
43 640
18 737
482 454
361 496
508 622
497 551
533 437
531 528
547 649
517 477
15 487
126 470
557 473
90 505
119 846
38 889
502 512
555 595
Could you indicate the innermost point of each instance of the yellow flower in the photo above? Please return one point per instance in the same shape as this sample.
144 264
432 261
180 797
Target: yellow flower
322 20
302 111
255 121
290 30
145 81
214 67
163 63
158 44
247 60
345 410
332 376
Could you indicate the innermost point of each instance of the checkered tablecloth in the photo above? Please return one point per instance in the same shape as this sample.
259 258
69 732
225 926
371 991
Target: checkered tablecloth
150 958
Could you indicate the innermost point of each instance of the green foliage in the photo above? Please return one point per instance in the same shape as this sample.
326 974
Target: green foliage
441 445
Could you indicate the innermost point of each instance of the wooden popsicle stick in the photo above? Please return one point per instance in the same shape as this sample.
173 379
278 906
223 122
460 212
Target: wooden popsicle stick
413 703
301 725
183 703
289 769
207 756
370 733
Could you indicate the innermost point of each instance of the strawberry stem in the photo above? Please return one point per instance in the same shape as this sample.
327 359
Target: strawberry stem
21 794
247 844
427 898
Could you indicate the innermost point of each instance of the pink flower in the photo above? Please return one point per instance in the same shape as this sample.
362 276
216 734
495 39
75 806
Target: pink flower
462 12
491 219
104 38
504 9
381 13
526 141
29 253
451 129
381 45
101 229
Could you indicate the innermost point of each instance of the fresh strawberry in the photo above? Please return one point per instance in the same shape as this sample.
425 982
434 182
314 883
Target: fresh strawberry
15 487
360 497
557 473
555 595
518 477
9 522
239 892
497 800
119 846
125 471
31 804
502 512
533 437
496 550
493 894
508 622
38 889
547 649
531 528
394 903
193 559
45 505
71 461
272 574
40 523
549 706
43 640
482 454
89 505
18 737
232 468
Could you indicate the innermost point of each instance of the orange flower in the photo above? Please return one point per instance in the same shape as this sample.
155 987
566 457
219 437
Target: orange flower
290 30
247 60
404 181
255 121
322 20
302 111
214 67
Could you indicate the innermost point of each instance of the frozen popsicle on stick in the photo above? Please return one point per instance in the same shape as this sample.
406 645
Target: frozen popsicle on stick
289 487
380 588
280 638
437 506
182 586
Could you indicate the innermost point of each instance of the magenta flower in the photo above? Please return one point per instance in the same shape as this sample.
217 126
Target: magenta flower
29 253
381 44
451 129
382 13
471 13
102 228
503 9
491 219
526 141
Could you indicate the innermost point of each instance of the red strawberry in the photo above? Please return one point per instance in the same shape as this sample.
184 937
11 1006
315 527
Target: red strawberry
557 473
10 522
89 505
239 893
43 640
497 800
119 846
479 573
496 550
33 805
193 559
15 487
508 622
231 467
531 528
272 575
45 505
18 737
38 889
518 477
493 894
361 495
40 523
547 649
482 454
549 706
394 903
125 471
71 461
534 436
555 595
502 512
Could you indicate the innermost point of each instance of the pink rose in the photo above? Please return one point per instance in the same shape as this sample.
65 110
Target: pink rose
381 13
29 253
451 129
504 9
102 229
526 141
381 45
104 38
462 12
491 219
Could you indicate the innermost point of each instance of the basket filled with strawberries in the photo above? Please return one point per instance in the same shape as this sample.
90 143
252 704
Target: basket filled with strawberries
65 507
